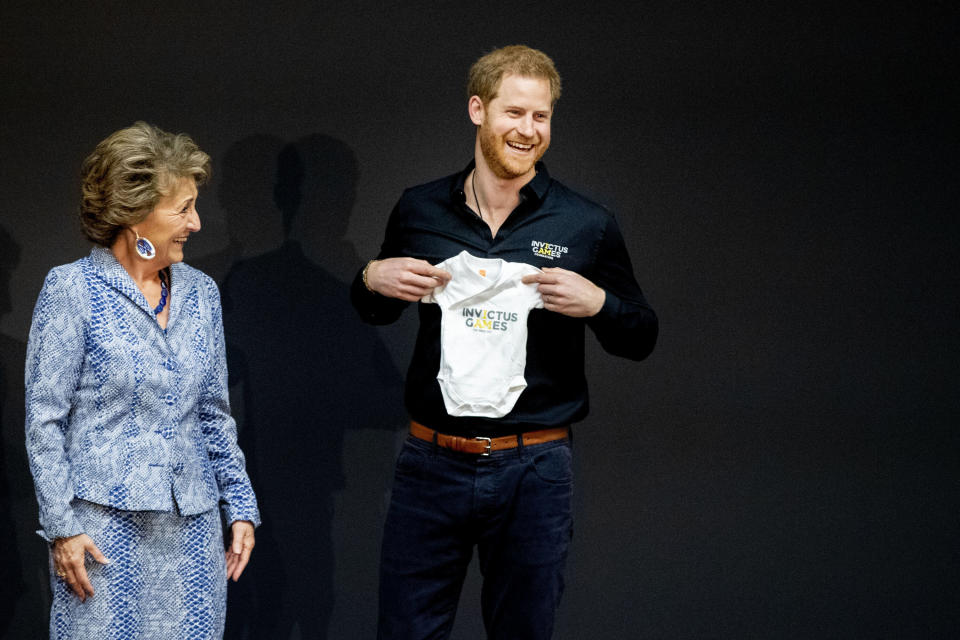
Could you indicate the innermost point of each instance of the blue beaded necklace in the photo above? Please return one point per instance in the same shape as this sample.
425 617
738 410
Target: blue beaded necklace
163 294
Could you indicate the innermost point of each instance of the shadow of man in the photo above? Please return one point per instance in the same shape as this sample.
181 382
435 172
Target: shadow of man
308 372
24 595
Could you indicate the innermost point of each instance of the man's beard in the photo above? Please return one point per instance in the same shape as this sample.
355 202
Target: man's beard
503 166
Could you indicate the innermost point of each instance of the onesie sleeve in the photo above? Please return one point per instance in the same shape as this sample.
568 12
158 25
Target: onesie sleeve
533 298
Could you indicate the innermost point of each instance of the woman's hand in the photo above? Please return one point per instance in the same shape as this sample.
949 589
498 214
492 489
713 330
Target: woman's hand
69 557
241 544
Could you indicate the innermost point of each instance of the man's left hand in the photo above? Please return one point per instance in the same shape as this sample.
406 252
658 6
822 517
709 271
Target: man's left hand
567 292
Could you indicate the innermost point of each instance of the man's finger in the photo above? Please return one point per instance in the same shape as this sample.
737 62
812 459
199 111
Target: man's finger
541 278
433 272
427 283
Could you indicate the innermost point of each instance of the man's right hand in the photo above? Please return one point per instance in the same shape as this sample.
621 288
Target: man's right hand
69 557
405 278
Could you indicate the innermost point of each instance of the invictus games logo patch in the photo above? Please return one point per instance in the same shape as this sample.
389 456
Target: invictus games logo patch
488 319
547 250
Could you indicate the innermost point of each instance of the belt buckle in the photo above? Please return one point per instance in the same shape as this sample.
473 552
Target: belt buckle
486 452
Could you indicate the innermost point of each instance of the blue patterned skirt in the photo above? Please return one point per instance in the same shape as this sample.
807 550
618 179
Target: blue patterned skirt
166 579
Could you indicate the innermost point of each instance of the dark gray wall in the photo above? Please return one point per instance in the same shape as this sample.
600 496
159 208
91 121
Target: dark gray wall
783 466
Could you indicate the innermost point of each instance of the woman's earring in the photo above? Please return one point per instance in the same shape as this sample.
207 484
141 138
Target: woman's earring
145 248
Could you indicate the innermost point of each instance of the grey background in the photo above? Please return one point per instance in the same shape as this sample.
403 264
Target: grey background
783 466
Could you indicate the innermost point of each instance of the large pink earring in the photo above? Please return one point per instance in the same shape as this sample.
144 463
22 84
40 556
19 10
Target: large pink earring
145 248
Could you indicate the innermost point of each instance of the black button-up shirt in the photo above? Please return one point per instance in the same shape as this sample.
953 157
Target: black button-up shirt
551 227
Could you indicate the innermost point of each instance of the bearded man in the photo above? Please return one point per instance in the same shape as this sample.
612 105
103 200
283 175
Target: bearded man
497 375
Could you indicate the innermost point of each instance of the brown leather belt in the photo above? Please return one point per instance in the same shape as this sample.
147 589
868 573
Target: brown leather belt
485 446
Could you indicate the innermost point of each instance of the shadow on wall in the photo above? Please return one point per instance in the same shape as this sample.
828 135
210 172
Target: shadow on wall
304 372
24 597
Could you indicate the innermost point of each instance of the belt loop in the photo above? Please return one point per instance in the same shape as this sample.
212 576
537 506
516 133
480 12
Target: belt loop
435 445
522 450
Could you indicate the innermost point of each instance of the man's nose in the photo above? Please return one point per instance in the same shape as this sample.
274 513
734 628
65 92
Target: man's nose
525 126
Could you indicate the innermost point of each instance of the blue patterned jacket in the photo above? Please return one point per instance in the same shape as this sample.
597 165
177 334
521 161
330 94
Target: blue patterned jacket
123 413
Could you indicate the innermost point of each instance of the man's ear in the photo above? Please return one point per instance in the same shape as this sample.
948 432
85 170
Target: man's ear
476 110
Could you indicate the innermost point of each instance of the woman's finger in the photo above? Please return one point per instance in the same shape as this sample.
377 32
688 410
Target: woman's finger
92 549
71 579
83 581
232 559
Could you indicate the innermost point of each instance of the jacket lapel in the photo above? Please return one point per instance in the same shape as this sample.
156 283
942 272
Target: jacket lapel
115 276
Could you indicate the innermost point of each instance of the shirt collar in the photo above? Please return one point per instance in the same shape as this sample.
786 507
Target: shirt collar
536 189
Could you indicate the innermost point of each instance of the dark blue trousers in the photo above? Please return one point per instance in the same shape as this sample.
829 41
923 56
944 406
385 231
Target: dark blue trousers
514 506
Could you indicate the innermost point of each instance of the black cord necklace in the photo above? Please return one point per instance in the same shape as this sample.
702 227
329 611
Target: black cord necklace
473 185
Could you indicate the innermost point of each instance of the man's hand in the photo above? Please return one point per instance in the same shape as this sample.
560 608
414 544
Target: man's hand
567 292
241 544
69 557
405 278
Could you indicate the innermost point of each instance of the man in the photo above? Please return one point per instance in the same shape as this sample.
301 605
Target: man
501 484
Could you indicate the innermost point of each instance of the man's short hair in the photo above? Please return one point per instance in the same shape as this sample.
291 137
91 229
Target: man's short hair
521 60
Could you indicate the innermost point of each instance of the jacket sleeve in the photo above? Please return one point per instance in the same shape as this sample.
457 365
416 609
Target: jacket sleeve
373 307
626 325
219 429
55 354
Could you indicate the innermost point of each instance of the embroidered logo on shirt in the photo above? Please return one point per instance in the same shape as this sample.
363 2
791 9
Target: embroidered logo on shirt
547 250
487 319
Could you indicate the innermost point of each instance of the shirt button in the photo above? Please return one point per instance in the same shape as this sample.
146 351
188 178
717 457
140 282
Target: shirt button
178 468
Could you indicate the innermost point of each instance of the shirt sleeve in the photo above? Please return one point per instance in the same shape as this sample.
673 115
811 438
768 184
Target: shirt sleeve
55 353
219 429
626 325
374 308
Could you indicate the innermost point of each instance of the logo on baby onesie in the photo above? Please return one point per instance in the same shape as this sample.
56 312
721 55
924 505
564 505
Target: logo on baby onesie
488 319
547 250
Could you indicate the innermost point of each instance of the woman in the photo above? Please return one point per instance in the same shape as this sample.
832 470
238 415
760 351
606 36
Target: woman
129 434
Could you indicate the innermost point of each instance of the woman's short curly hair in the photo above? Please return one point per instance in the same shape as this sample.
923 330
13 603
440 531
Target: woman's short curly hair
487 72
127 174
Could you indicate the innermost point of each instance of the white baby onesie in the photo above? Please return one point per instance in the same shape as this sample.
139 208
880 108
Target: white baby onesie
483 334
